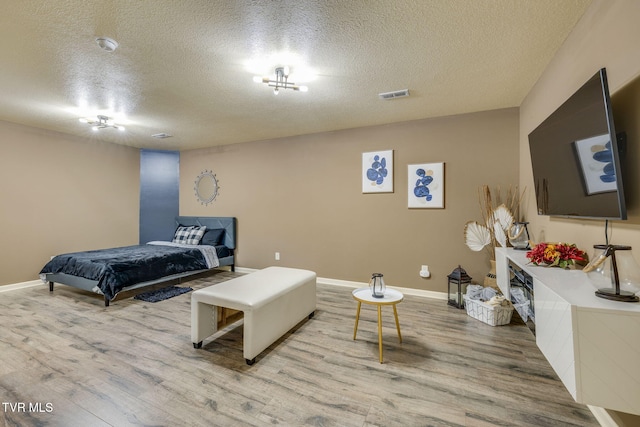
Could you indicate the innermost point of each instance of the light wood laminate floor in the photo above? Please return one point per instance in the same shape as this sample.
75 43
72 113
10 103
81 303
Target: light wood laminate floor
133 363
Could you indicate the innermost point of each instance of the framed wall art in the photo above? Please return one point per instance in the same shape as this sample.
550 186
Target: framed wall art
595 158
377 172
426 185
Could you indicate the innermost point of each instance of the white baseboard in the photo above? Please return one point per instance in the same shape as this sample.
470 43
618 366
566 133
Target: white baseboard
354 285
604 417
22 285
323 280
406 291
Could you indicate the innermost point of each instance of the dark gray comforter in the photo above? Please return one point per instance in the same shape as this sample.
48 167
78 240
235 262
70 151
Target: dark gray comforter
116 268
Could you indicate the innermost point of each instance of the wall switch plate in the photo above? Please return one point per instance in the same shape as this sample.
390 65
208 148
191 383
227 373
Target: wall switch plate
277 256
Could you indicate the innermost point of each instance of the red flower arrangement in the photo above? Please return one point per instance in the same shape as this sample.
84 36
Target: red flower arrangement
556 255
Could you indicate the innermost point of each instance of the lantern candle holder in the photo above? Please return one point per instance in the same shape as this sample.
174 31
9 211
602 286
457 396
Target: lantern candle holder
519 236
457 278
377 286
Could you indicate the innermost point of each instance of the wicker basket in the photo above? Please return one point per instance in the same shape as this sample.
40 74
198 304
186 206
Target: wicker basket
490 314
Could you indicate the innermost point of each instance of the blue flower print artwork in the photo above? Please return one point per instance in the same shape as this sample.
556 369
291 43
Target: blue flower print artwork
595 160
377 172
422 185
426 185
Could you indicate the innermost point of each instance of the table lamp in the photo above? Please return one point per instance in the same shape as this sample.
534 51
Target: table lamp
614 267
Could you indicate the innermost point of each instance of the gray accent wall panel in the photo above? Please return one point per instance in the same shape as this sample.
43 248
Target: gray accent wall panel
159 194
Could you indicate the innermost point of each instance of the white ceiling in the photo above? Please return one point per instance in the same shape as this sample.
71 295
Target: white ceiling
185 67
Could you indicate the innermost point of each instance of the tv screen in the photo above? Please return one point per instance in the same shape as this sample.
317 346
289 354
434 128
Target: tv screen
575 157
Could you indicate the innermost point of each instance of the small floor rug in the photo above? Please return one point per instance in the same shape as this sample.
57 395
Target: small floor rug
162 294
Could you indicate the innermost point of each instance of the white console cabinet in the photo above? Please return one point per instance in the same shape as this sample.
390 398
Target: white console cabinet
593 344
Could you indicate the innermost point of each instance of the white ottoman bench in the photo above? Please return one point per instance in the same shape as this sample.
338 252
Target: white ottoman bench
273 301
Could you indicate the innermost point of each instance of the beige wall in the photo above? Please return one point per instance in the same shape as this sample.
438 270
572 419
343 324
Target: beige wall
60 194
606 36
302 197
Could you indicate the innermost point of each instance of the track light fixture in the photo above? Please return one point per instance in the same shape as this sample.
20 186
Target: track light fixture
281 81
102 122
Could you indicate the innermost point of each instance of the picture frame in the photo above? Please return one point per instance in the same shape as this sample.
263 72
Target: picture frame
426 186
595 161
377 172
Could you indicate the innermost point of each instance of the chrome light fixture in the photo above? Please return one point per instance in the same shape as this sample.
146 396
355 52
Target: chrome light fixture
102 122
281 81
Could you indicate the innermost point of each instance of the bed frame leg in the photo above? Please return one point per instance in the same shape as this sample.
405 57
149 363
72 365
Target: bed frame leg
50 286
233 267
106 302
250 361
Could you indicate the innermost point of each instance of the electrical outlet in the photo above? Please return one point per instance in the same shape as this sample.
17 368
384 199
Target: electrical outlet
424 272
277 256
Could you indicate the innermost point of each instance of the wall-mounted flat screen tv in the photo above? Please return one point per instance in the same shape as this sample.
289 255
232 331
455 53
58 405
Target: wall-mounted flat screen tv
575 156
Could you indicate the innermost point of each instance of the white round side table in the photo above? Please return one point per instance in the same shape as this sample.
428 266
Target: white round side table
391 297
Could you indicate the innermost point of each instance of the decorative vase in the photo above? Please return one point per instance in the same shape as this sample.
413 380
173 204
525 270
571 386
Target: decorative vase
490 278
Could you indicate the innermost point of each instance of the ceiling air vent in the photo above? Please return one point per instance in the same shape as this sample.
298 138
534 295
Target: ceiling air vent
161 135
394 95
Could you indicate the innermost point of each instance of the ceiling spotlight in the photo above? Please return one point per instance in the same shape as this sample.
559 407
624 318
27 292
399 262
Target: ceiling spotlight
107 43
101 122
281 81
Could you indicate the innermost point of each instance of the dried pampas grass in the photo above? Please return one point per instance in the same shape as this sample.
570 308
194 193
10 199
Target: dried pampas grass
497 218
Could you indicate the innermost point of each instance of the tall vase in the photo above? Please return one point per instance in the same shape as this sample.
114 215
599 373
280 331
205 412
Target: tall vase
490 278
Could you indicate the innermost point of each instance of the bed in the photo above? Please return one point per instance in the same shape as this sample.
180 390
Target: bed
200 244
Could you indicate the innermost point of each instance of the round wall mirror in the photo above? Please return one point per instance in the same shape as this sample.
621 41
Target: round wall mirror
206 187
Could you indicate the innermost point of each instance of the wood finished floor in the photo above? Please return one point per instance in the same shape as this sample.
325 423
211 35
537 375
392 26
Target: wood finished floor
133 363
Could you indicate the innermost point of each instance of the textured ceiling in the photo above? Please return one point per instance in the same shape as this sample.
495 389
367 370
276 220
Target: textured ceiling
185 67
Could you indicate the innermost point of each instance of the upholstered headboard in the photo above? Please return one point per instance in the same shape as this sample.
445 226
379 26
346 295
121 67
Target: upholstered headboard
226 222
